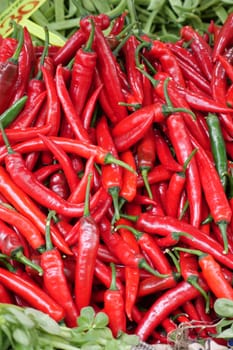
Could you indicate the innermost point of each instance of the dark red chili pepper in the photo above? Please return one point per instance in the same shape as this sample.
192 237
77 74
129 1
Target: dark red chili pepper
68 107
54 276
180 140
87 248
187 233
82 74
200 48
5 296
22 203
89 108
45 171
146 156
58 184
34 295
224 37
114 306
64 160
118 24
163 306
111 174
106 63
9 74
227 66
11 245
214 192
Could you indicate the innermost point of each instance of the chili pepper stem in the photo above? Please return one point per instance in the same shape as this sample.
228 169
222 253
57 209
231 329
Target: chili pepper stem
114 192
19 256
144 173
15 57
223 229
110 159
50 216
86 211
193 280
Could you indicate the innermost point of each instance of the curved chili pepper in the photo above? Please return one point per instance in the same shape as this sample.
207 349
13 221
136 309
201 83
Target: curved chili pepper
45 171
53 276
12 112
122 250
106 64
29 209
111 174
157 174
88 110
148 245
187 233
82 73
34 295
24 225
114 306
68 107
214 192
64 160
180 137
163 306
58 184
9 73
224 37
7 48
104 274
129 179
164 153
200 48
87 248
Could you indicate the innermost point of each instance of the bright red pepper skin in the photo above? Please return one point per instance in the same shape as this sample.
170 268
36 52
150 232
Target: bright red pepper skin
224 37
54 278
34 295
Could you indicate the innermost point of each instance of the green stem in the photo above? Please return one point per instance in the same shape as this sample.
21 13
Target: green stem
144 265
19 256
113 285
110 159
5 139
12 112
44 53
135 232
15 57
114 192
87 196
144 173
223 229
48 241
88 46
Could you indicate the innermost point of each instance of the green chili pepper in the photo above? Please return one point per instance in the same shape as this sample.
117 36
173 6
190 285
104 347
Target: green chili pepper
12 112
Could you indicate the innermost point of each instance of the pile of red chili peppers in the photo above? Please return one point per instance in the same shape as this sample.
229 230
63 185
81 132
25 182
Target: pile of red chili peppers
116 182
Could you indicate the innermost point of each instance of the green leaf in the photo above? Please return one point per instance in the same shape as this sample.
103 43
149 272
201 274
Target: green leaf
86 318
101 320
21 336
224 307
43 321
21 317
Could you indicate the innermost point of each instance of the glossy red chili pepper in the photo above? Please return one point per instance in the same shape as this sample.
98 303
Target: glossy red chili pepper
200 49
64 160
157 174
129 179
45 171
54 276
164 153
187 233
7 48
82 74
68 107
5 296
224 37
58 184
13 246
29 209
89 108
104 274
87 248
163 306
24 225
106 63
214 192
111 174
181 142
9 74
114 306
34 295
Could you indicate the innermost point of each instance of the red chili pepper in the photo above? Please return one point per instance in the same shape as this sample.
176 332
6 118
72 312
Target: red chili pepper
34 295
214 192
89 108
224 37
7 48
111 174
58 184
157 174
146 156
82 74
9 74
114 306
227 66
104 274
163 306
54 276
148 246
29 209
68 107
187 233
129 179
200 48
64 160
87 248
45 171
181 142
106 63
5 296
164 153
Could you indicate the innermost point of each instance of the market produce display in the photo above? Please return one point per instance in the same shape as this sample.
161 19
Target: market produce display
116 184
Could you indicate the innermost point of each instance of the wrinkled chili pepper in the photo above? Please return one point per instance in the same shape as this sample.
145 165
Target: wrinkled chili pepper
53 276
58 184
